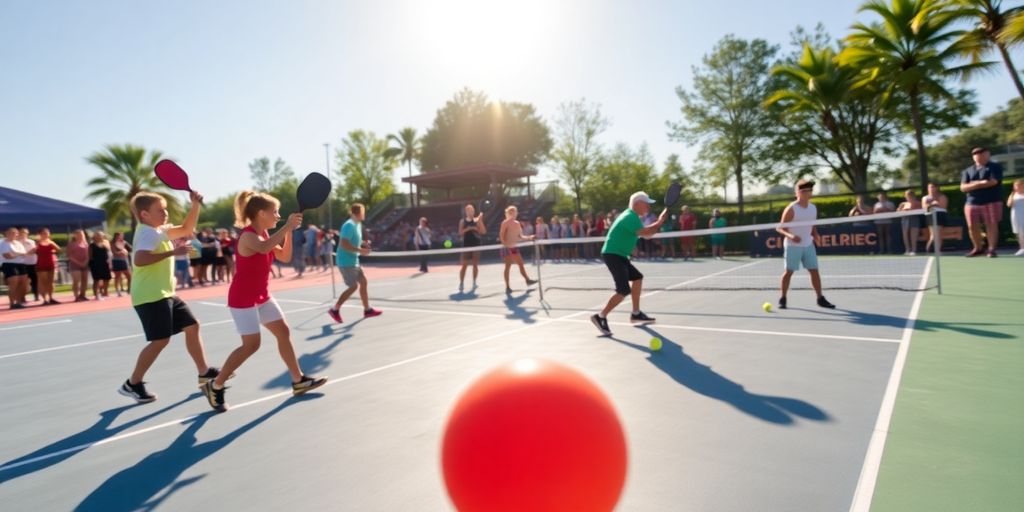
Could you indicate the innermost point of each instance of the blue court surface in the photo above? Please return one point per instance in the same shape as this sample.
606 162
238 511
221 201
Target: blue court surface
741 410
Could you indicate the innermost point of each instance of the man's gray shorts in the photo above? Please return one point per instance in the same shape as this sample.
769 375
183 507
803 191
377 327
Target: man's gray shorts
351 275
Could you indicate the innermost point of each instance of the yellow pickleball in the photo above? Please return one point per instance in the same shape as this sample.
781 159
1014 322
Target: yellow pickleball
655 344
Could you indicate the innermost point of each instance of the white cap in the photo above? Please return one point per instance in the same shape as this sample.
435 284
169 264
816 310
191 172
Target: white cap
640 196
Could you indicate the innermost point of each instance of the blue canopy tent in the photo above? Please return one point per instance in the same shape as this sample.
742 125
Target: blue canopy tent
19 208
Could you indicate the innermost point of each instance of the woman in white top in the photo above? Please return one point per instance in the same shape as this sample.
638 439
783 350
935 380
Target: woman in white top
1016 205
421 236
934 199
12 263
911 224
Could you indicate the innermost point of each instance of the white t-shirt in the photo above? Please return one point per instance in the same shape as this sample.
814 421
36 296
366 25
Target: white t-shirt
421 236
30 259
1017 214
801 214
13 246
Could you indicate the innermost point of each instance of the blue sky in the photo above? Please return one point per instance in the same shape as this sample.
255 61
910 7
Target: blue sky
217 84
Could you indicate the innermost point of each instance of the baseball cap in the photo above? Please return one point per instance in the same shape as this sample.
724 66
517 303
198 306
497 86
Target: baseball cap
804 184
640 196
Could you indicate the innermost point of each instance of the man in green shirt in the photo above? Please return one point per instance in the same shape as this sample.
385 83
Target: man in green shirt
618 246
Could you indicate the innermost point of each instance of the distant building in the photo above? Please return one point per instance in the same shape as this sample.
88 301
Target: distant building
1011 156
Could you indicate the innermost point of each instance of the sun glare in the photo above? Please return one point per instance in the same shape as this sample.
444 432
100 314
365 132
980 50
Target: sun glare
481 38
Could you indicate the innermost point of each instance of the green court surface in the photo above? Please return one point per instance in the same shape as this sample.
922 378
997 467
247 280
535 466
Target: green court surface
956 440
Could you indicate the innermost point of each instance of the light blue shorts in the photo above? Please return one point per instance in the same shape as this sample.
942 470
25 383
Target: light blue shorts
796 255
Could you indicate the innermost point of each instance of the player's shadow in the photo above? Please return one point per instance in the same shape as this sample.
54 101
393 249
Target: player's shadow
59 451
877 319
461 295
147 484
516 311
314 363
700 378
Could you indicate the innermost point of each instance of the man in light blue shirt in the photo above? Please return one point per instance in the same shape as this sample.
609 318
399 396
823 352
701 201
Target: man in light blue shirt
350 248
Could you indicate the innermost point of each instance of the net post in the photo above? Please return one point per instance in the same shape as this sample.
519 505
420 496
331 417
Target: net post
937 241
536 262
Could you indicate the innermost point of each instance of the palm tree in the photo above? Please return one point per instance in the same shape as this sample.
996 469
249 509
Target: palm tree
912 53
406 149
826 116
126 171
991 32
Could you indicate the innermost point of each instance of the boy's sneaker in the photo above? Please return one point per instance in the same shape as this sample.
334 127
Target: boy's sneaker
211 374
334 314
531 282
370 313
215 397
782 302
307 384
640 316
137 392
824 303
601 324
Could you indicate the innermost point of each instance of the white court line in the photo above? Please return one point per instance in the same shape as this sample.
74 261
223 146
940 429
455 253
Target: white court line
66 320
186 419
214 304
865 490
498 284
297 301
691 281
119 338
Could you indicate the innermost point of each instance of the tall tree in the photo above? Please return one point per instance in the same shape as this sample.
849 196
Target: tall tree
622 172
827 121
577 151
910 53
472 130
724 112
990 20
267 177
406 148
366 170
125 171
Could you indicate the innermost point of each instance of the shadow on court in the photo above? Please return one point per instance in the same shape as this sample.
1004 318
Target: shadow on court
700 378
876 319
147 484
78 442
516 311
315 363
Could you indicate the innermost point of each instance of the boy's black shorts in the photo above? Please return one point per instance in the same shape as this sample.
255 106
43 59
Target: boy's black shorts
164 318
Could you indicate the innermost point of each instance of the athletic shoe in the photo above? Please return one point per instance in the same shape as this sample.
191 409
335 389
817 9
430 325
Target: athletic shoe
824 303
1019 253
640 316
211 374
215 397
335 315
17 306
601 324
992 254
973 253
307 384
370 313
782 302
137 392
508 291
531 282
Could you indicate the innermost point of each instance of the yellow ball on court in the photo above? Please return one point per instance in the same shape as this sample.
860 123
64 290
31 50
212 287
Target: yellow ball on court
767 306
655 344
447 244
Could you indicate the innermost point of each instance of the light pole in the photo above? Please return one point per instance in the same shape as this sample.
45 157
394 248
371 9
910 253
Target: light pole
330 219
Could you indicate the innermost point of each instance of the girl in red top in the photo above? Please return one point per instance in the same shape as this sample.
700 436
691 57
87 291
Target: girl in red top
47 251
248 298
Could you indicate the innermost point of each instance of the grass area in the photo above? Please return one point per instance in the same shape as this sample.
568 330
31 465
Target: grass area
955 441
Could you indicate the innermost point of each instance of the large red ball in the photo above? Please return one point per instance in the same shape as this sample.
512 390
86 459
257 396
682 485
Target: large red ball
534 435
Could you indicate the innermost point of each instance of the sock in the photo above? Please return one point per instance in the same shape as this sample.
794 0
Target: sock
602 316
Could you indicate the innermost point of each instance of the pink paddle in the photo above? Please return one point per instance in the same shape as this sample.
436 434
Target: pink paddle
172 175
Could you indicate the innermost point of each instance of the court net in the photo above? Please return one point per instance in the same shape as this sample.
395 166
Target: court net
864 252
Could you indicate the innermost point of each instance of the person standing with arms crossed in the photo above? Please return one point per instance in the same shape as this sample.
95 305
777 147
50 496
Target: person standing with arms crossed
799 243
351 248
618 247
982 182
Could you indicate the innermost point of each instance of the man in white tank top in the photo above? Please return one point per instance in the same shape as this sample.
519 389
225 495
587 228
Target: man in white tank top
799 243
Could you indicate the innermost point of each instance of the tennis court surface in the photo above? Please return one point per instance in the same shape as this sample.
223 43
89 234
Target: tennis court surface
740 410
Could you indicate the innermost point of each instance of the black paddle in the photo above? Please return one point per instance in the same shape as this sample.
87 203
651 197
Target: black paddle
672 194
313 191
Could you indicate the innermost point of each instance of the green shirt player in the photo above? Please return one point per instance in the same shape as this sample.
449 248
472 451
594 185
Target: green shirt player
618 246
